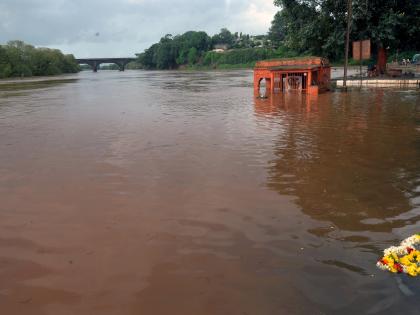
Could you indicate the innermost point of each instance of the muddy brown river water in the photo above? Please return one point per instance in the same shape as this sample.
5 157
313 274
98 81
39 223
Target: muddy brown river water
180 193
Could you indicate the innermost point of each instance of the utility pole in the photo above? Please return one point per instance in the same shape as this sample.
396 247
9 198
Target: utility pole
346 60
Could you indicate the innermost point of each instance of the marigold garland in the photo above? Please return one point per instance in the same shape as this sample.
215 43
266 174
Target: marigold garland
402 259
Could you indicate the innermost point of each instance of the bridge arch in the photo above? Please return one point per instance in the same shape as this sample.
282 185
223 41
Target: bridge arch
96 62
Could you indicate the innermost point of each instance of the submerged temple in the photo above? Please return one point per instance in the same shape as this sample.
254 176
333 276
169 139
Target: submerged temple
308 75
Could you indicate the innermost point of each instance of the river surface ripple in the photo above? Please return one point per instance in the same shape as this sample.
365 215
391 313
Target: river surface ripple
180 193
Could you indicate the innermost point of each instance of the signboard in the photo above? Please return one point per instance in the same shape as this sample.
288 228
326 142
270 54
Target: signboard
361 50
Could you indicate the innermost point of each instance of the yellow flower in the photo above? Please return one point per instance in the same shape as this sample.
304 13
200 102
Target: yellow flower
406 260
394 256
412 270
392 269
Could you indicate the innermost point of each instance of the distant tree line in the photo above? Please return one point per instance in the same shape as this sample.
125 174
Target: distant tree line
318 27
196 48
245 56
18 59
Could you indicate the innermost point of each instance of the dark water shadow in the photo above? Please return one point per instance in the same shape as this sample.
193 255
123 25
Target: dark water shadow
33 85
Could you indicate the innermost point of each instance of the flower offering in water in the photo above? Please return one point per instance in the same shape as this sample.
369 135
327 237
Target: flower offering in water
404 258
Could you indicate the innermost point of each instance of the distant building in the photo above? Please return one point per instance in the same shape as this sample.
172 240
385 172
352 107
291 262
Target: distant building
258 40
220 47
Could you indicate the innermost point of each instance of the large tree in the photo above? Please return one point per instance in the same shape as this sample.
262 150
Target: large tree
172 52
277 30
224 37
318 26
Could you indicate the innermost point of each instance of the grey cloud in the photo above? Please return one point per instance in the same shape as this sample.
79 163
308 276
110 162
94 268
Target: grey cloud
124 26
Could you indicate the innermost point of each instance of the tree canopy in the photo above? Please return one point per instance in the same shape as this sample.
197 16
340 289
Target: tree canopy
18 59
318 26
195 48
225 37
172 51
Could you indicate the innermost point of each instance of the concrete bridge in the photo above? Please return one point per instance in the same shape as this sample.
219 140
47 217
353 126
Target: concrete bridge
95 62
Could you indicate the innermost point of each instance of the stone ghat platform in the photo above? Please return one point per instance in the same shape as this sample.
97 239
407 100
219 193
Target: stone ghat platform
381 82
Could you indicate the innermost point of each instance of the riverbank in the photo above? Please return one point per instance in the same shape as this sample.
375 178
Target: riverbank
61 77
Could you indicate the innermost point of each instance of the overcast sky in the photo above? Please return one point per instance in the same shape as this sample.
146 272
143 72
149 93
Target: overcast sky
121 28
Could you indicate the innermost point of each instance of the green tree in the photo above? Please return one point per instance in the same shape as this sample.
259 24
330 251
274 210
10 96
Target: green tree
5 67
224 37
172 52
318 26
147 59
165 55
192 55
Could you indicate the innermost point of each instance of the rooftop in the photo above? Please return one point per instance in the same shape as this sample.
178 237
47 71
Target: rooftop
294 67
293 63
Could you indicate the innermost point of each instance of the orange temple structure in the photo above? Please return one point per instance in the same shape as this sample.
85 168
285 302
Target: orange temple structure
308 75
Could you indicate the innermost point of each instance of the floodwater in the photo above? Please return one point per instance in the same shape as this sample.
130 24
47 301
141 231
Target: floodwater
181 193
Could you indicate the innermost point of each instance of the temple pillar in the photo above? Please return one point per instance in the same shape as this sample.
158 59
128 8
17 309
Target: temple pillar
309 80
257 81
272 83
381 64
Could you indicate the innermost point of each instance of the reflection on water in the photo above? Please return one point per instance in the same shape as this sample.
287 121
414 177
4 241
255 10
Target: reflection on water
182 193
354 163
351 161
32 84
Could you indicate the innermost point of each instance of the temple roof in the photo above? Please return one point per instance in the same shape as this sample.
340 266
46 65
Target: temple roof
292 63
294 67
